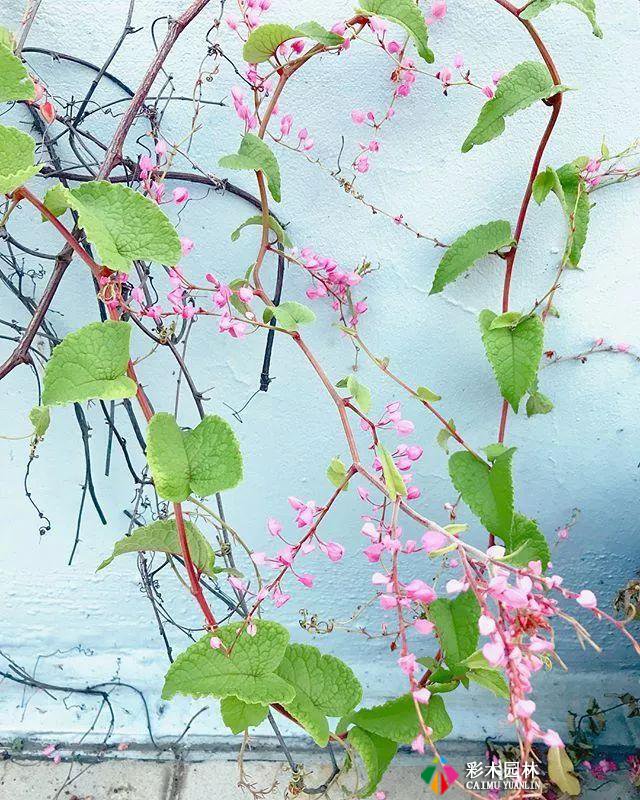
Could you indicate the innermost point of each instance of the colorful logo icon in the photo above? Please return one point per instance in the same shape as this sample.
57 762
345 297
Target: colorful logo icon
439 776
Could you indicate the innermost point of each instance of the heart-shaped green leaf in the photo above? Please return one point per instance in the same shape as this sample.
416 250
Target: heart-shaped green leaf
397 719
238 716
17 154
325 686
514 353
456 623
376 753
488 491
526 84
40 418
15 83
204 461
473 245
244 667
162 536
89 363
407 14
266 39
588 8
121 223
525 542
254 154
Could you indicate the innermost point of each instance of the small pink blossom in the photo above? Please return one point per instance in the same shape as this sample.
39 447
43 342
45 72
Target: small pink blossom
421 696
525 708
433 540
487 91
186 245
180 195
215 642
486 625
333 550
587 599
423 626
408 664
358 117
458 61
417 745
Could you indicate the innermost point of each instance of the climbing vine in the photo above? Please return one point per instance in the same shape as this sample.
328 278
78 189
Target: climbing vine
494 622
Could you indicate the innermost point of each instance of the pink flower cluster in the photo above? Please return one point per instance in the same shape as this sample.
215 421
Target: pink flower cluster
329 279
251 12
149 172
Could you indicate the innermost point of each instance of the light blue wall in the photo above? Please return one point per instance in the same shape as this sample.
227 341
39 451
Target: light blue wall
585 454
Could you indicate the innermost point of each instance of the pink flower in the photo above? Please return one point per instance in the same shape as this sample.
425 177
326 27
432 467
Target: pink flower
251 628
180 195
438 10
258 558
362 164
380 796
458 61
334 550
186 245
245 294
48 750
433 540
493 652
423 626
279 598
417 745
552 739
587 599
497 76
421 696
488 91
404 427
274 527
525 708
420 591
445 75
161 147
306 580
408 664
388 601
215 642
358 117
373 552
486 625
454 586
623 347
285 124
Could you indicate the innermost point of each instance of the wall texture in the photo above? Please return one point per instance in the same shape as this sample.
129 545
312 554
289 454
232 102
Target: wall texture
584 455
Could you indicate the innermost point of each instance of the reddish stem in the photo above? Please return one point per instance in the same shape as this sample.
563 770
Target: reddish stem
194 582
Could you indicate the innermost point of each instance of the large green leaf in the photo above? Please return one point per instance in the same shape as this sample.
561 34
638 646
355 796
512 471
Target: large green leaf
524 85
255 155
15 83
17 154
397 719
456 624
577 207
275 226
238 715
491 679
588 7
162 537
407 14
376 753
514 353
247 672
488 491
392 477
205 460
121 223
266 39
89 363
525 542
469 248
325 686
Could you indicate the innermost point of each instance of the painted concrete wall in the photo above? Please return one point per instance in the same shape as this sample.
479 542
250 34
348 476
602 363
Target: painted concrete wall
583 455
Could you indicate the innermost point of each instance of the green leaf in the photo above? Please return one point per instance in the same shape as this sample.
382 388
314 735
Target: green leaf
392 477
514 354
313 30
456 624
15 83
488 491
40 418
538 403
507 320
427 395
469 248
7 39
255 155
588 7
325 686
524 85
17 154
525 542
577 207
337 472
444 435
122 224
238 715
162 537
56 201
360 393
407 14
203 461
248 672
291 314
376 753
397 719
275 226
266 39
89 363
546 182
491 679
